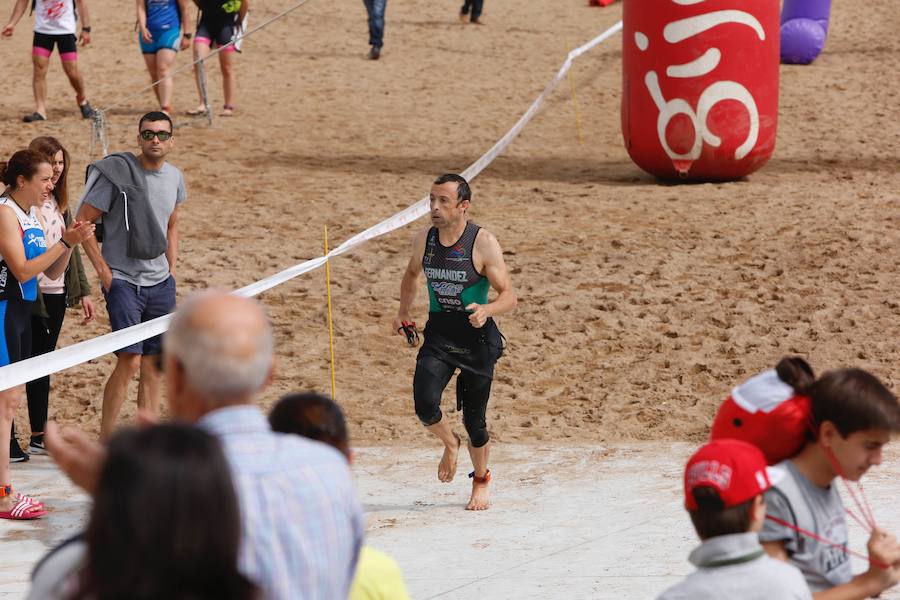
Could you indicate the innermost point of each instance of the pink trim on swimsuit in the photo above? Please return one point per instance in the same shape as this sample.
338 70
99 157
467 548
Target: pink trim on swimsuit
68 56
38 51
203 41
230 48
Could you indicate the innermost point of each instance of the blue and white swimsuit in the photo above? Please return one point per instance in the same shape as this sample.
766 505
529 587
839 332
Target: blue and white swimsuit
15 296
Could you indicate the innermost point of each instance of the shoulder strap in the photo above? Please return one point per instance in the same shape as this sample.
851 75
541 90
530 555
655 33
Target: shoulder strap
800 511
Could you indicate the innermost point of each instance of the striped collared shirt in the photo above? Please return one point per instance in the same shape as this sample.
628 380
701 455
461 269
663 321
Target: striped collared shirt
302 522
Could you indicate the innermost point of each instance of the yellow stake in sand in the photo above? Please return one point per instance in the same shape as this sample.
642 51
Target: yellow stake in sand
330 323
574 99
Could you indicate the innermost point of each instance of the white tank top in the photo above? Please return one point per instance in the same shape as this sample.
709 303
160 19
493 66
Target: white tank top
54 17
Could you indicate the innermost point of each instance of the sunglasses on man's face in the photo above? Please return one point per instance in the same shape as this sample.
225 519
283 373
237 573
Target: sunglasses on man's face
162 136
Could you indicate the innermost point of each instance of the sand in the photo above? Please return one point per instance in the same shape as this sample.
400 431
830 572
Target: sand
641 304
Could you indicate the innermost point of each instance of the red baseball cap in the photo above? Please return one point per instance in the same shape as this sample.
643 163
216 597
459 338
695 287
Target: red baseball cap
736 469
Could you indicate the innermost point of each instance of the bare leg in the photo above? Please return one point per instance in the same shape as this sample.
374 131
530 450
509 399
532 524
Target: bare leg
127 365
480 499
39 83
200 51
9 402
229 82
165 59
447 466
148 386
75 79
150 60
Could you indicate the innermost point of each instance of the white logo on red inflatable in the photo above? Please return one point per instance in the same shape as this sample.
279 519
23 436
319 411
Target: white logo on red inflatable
678 31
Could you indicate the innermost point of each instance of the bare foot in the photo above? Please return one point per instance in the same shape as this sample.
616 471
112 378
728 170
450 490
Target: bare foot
200 110
481 498
447 466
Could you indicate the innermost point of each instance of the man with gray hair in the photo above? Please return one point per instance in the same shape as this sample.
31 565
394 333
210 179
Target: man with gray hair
302 523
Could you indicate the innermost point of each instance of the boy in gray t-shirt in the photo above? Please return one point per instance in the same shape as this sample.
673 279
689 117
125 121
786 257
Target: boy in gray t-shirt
853 416
724 483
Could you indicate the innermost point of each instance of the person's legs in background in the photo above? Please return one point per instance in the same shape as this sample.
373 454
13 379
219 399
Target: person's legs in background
375 9
464 11
477 6
40 60
44 337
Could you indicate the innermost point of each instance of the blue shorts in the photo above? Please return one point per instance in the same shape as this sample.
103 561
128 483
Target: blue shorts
163 39
129 304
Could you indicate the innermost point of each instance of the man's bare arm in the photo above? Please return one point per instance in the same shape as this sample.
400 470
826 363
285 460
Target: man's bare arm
86 212
18 11
85 36
488 251
410 283
172 237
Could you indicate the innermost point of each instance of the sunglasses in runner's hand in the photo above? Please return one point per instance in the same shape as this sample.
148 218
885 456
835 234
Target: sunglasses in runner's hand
162 136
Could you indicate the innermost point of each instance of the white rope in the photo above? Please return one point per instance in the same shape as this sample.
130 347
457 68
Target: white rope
64 358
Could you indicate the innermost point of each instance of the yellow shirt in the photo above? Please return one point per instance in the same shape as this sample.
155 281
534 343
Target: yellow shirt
377 577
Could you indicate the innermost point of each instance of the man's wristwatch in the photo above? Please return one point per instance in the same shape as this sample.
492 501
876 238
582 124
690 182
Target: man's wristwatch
86 29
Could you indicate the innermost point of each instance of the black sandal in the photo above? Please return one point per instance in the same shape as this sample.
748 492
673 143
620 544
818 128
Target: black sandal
35 116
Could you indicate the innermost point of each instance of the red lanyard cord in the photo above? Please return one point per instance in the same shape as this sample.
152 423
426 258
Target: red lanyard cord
822 540
863 505
859 521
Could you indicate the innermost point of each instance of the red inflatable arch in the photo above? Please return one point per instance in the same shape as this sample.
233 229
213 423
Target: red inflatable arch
700 86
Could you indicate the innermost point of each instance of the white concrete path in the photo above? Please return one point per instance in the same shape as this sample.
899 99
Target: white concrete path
567 522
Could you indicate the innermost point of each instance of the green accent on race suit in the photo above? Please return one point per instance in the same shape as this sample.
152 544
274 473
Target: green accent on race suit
433 305
232 6
478 294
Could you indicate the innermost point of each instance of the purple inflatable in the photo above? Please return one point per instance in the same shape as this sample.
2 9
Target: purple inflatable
804 27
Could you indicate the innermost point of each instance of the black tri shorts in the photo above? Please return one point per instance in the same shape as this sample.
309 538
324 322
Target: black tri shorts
44 43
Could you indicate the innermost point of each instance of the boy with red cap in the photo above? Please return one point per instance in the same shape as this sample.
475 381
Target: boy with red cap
724 483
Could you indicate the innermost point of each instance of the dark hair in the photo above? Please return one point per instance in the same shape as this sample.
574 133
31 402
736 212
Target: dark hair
153 116
853 400
24 163
313 416
795 372
165 522
712 519
463 191
49 146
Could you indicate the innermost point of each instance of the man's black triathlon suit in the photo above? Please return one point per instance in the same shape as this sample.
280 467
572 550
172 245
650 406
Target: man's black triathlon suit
453 284
451 341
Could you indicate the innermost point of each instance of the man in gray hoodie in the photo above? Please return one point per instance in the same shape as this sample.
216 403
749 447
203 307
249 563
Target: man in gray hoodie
137 198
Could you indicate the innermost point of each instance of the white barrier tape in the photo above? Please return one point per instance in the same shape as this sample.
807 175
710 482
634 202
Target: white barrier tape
64 358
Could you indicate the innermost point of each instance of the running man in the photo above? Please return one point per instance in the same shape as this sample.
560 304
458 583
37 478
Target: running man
54 25
460 261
